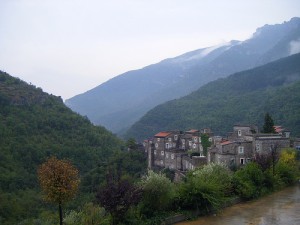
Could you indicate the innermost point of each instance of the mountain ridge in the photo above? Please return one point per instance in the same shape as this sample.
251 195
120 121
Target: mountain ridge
241 97
121 101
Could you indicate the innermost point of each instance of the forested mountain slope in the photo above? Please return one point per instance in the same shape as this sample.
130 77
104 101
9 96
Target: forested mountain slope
243 97
33 126
121 101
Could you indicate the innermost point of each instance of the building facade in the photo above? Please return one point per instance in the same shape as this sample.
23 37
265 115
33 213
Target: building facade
183 151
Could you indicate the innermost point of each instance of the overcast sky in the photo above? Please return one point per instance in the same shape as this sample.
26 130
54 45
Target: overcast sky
67 47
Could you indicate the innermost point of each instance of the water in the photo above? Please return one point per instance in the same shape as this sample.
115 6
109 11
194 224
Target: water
280 208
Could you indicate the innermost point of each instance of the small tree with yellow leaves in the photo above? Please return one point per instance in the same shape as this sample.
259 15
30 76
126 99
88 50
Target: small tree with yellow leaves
59 181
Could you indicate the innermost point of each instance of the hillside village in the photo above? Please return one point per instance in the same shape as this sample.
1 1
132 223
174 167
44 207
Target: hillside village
183 151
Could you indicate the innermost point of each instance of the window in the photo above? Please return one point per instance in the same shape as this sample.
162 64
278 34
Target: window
154 152
257 146
190 143
162 153
242 161
175 137
241 149
172 156
161 162
156 145
232 161
195 139
169 139
239 133
167 155
158 139
194 145
210 139
183 141
248 160
167 145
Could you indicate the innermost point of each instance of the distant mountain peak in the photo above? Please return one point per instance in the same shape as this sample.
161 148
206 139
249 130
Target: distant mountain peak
285 26
121 101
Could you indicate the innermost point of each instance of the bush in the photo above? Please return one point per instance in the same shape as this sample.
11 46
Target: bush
205 189
89 215
248 181
286 172
158 193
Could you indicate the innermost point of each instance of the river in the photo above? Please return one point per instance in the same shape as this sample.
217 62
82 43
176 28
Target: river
280 208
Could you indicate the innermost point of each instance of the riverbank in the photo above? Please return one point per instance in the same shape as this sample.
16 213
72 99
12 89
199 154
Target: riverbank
278 208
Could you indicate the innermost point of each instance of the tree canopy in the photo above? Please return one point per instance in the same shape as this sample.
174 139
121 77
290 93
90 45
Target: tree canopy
269 124
59 180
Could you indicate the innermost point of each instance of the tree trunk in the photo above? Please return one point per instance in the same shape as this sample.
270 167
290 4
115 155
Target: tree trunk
60 214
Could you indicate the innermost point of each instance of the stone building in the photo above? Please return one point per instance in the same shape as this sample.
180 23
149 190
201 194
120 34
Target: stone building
244 142
176 150
183 151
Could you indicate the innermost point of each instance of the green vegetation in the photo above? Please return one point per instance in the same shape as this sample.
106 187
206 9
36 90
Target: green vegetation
158 193
35 126
268 125
240 98
204 190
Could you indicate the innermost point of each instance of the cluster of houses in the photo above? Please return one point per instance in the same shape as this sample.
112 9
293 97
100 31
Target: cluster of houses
183 151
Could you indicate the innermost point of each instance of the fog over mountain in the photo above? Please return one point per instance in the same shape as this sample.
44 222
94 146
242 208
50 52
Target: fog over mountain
243 97
121 101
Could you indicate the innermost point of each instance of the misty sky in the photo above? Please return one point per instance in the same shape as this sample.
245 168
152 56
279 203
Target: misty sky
67 47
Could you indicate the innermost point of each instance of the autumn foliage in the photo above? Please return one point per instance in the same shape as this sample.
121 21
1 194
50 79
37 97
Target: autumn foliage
58 179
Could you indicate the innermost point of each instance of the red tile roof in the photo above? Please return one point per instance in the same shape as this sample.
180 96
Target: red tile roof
226 142
278 129
162 134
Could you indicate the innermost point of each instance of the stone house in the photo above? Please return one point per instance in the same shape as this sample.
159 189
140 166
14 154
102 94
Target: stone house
176 150
243 143
183 151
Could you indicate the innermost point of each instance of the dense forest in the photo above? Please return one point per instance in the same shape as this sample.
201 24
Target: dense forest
243 97
34 126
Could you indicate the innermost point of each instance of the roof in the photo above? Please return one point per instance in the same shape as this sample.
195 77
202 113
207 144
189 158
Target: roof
192 131
162 134
226 142
279 129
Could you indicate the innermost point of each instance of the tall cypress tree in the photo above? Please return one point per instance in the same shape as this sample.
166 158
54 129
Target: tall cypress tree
269 124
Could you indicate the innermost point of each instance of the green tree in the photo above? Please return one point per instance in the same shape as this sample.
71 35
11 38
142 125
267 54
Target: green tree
205 189
158 193
131 144
268 125
205 143
59 181
248 181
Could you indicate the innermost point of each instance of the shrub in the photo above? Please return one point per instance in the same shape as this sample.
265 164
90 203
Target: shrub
89 215
248 181
286 172
205 189
158 193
